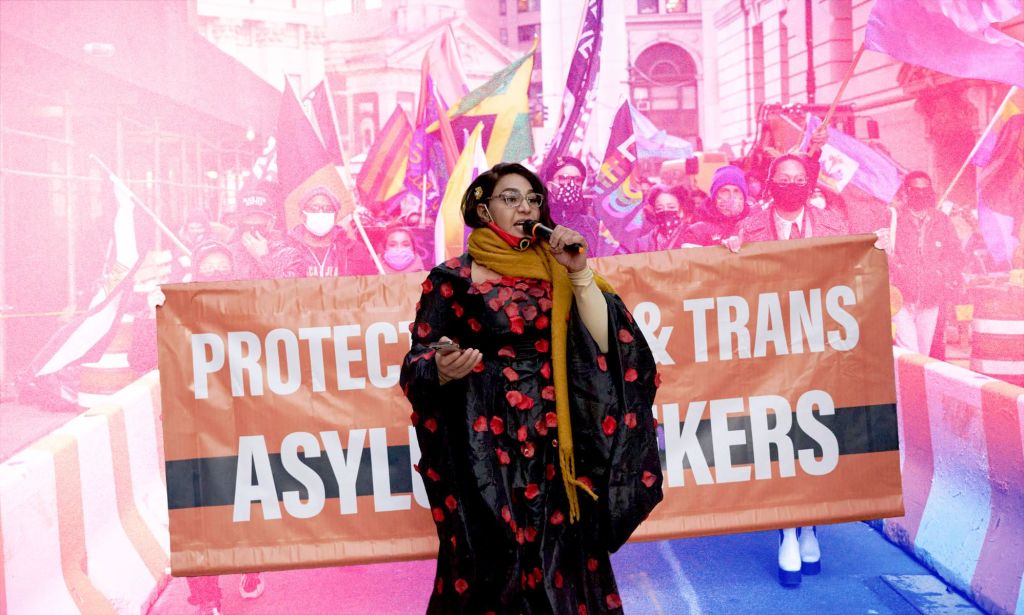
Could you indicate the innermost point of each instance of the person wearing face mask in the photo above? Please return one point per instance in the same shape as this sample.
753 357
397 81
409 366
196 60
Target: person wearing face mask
399 253
791 179
258 250
196 229
323 247
925 265
668 206
569 206
727 205
212 262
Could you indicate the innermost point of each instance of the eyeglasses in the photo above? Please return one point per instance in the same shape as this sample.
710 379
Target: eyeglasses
569 179
513 198
788 182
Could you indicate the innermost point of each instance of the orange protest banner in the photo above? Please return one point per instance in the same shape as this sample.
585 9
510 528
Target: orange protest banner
289 445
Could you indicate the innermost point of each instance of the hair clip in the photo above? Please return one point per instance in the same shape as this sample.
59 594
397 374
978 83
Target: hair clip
478 193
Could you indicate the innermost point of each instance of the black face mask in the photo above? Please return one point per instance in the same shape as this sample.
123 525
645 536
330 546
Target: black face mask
667 220
568 197
920 199
790 197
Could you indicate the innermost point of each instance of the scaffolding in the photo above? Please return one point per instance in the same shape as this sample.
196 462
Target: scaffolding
56 207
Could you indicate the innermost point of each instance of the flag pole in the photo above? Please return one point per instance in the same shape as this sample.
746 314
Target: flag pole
138 202
977 145
423 201
839 92
366 240
346 176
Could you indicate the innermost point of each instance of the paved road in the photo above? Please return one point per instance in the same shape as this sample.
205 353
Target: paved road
862 573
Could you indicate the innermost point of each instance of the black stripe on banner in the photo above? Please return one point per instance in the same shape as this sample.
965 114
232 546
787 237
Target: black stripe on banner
858 429
210 481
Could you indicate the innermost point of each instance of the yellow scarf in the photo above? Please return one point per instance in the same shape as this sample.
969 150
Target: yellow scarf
486 248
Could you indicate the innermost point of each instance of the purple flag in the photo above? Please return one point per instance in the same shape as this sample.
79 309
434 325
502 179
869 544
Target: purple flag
579 87
847 160
427 172
618 203
955 37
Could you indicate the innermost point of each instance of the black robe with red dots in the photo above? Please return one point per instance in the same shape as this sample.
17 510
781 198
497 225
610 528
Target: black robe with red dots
489 447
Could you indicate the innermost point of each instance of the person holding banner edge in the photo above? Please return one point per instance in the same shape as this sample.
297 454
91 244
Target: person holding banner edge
531 390
791 178
788 217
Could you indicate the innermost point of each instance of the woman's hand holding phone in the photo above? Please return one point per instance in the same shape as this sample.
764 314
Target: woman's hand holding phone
454 362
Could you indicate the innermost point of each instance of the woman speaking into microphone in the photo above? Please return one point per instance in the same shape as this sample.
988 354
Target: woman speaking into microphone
531 390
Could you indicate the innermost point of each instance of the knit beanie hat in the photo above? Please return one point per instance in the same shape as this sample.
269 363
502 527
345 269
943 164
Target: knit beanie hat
728 176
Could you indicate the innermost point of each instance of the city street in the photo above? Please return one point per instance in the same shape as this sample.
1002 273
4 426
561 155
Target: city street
292 284
861 573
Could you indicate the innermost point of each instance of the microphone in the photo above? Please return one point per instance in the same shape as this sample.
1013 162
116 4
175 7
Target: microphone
536 229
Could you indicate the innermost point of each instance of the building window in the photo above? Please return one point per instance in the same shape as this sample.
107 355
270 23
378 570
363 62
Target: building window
503 36
663 85
536 102
341 109
783 63
503 7
337 7
372 4
690 97
291 36
675 6
527 33
757 60
527 6
365 118
646 7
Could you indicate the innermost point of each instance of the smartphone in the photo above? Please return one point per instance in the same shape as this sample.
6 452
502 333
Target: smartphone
444 347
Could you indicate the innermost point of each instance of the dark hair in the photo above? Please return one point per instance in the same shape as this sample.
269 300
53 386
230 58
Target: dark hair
554 166
915 175
795 157
210 247
486 182
680 192
399 229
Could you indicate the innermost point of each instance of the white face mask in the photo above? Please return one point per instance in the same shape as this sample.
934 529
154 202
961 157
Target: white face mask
319 223
817 201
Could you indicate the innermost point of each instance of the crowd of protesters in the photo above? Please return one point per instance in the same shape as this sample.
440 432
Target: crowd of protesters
928 253
931 246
